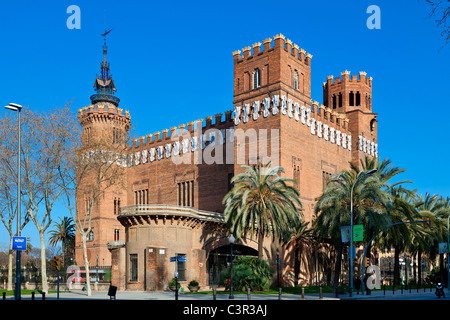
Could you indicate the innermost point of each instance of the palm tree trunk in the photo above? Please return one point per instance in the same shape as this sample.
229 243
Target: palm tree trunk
337 267
396 266
297 262
260 246
419 267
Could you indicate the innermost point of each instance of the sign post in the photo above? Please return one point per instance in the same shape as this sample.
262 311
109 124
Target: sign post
175 259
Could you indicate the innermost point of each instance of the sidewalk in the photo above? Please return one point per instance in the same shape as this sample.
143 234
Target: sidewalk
151 295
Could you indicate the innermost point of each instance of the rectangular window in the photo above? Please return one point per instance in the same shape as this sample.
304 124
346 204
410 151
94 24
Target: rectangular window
141 197
133 267
186 193
181 268
116 234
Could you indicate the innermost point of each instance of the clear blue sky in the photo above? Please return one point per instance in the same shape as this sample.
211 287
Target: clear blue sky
172 63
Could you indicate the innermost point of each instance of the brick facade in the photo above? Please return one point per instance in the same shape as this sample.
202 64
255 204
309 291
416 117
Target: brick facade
176 179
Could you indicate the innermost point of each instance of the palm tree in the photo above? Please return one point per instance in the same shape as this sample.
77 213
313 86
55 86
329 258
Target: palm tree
300 237
63 233
262 202
399 209
333 209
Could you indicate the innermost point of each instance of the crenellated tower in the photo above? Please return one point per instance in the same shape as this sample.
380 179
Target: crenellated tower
105 123
265 71
352 97
262 79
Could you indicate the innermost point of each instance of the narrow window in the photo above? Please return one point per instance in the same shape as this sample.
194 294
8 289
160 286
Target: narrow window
295 80
188 198
297 177
340 100
334 101
352 98
179 193
192 193
116 234
133 267
256 78
358 99
91 236
230 184
184 194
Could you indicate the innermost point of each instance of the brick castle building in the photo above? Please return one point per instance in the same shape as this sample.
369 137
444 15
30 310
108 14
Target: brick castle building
176 179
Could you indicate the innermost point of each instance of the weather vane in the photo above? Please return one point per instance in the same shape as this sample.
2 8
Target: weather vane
104 34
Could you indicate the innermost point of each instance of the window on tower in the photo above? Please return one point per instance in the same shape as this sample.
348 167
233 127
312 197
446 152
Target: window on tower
256 79
295 80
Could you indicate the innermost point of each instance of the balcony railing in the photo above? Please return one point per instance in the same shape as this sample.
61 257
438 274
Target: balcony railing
165 209
115 243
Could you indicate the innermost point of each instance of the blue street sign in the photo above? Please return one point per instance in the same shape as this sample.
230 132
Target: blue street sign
19 243
178 258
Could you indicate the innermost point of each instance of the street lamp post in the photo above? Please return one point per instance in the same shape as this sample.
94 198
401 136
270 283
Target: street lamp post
18 108
231 239
278 267
448 251
352 249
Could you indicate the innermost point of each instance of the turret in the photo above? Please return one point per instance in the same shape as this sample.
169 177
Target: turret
352 97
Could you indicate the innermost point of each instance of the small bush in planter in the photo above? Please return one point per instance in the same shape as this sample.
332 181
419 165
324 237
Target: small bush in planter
193 286
172 284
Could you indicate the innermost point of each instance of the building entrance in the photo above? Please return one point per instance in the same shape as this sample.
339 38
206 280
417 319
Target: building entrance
219 259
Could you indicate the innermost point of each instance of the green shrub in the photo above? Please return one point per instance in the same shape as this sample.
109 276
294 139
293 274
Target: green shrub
193 283
248 272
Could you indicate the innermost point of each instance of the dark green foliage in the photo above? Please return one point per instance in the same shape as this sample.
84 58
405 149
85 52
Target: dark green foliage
248 272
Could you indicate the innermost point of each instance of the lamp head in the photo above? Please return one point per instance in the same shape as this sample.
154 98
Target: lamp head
14 107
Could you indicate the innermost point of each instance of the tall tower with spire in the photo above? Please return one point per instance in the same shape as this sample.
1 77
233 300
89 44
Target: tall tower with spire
103 120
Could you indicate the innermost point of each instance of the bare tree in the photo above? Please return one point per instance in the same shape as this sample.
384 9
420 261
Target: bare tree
97 165
47 139
440 10
8 185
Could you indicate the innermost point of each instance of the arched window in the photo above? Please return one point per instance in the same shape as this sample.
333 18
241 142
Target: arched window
91 236
295 80
256 78
334 101
352 99
340 100
358 99
373 125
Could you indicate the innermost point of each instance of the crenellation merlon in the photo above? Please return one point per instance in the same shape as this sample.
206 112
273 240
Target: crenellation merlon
281 42
162 136
331 80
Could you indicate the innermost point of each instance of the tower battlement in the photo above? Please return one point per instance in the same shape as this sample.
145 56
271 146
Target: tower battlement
280 42
345 77
165 135
347 93
263 68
